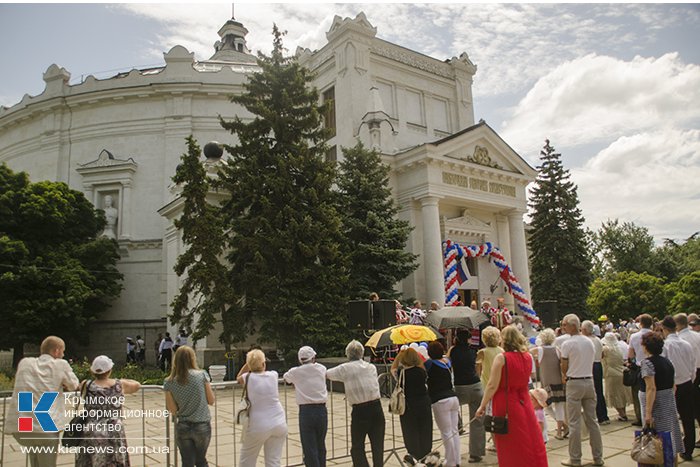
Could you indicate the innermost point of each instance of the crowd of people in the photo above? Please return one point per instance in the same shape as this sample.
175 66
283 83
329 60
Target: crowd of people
575 373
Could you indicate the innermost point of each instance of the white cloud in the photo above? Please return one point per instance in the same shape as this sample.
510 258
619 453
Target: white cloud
196 27
598 98
649 178
512 44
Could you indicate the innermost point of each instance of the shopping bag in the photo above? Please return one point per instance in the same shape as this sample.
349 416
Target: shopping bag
667 443
397 403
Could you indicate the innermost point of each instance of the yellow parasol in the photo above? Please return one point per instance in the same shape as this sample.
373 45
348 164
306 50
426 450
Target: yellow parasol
403 334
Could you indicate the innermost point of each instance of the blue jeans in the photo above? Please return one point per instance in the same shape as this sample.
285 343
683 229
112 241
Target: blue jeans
193 440
313 425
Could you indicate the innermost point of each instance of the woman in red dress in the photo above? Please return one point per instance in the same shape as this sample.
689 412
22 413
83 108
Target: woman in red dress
510 375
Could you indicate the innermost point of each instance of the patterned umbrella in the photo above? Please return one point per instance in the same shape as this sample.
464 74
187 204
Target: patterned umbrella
403 334
456 317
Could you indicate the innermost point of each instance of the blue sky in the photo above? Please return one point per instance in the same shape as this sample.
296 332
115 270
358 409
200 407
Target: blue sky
615 87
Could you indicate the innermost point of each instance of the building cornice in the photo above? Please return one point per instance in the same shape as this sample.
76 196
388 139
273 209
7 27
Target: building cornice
176 76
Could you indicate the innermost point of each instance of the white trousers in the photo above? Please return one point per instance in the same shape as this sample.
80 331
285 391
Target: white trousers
273 442
446 413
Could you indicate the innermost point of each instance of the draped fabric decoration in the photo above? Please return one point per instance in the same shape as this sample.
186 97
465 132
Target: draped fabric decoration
455 273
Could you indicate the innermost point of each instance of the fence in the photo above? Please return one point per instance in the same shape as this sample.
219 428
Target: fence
151 440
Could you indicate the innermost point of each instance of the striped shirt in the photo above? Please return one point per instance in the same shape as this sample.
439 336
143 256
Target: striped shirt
359 378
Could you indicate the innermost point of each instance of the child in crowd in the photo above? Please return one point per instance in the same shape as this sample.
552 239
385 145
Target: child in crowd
539 403
491 337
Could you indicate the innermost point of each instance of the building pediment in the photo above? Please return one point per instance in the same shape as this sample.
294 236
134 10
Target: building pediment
464 226
475 150
107 159
481 146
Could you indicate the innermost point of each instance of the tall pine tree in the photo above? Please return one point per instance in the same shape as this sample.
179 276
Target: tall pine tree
561 264
375 239
284 229
204 295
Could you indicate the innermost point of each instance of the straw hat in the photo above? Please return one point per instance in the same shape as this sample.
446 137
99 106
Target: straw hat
540 395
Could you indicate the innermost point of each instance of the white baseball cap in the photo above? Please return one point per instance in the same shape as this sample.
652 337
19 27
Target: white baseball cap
306 353
101 364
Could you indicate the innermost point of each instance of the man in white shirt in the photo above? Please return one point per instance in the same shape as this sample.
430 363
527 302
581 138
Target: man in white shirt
635 356
692 338
165 350
47 373
601 409
362 392
680 353
309 380
577 355
140 350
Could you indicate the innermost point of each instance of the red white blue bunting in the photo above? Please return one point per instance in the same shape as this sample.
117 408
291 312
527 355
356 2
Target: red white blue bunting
455 273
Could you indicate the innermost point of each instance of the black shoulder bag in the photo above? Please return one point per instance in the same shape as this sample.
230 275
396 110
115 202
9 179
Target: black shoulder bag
632 375
499 425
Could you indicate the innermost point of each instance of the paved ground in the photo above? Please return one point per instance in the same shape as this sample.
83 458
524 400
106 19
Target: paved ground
223 451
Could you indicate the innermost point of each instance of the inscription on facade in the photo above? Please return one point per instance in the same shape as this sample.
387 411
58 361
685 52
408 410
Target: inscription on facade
478 184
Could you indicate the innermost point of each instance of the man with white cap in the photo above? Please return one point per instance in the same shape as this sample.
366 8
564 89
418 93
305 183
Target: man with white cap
37 376
309 380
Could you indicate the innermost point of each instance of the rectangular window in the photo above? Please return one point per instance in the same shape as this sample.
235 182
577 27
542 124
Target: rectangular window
329 116
440 117
414 108
386 93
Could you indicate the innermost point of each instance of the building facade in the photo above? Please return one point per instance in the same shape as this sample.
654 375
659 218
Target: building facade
118 140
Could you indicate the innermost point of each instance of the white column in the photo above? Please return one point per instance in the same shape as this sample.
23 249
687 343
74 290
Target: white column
518 249
432 251
503 232
125 221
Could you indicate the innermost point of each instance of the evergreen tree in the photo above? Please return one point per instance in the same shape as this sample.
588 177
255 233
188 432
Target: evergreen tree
375 239
204 295
285 232
561 264
56 273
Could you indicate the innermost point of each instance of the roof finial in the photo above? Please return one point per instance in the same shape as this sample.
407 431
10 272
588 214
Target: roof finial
233 15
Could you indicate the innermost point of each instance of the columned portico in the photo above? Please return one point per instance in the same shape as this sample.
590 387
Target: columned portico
519 260
432 250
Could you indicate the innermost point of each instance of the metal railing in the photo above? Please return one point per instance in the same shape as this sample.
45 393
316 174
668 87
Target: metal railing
155 434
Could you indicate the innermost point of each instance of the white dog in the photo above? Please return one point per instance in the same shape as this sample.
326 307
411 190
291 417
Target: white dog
431 460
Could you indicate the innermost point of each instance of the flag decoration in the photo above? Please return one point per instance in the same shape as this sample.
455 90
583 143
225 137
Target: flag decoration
454 255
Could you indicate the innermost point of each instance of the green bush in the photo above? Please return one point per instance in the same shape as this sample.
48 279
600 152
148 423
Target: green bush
141 374
6 383
128 371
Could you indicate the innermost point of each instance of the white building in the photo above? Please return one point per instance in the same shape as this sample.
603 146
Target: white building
123 137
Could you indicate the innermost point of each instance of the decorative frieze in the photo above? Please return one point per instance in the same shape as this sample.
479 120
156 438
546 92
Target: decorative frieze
478 184
414 60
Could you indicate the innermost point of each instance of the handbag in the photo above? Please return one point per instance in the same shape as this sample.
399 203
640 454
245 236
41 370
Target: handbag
494 424
397 402
631 375
242 416
648 447
73 434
